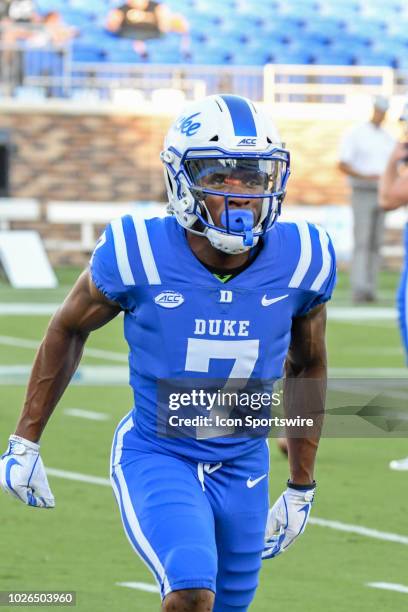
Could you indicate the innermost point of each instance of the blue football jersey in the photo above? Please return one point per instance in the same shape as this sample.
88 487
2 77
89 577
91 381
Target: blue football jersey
181 321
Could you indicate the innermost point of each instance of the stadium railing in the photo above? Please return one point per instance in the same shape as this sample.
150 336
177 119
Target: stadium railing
325 84
50 72
88 218
18 209
35 71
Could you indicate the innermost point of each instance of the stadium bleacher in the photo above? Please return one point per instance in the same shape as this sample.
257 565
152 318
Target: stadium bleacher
253 32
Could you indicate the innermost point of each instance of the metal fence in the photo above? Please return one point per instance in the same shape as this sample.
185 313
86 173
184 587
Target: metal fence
49 72
26 70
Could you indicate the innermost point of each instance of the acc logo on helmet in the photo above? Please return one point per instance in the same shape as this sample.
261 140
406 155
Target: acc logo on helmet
251 142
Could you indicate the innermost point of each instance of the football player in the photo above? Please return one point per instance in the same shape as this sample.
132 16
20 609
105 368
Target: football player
216 290
393 195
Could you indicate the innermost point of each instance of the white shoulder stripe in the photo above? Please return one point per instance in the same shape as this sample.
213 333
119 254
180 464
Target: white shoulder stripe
326 261
122 258
146 252
305 254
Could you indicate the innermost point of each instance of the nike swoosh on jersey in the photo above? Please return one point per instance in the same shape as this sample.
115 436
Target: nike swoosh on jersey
252 483
266 302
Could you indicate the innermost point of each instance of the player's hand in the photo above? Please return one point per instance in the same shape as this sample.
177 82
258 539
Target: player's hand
22 473
287 520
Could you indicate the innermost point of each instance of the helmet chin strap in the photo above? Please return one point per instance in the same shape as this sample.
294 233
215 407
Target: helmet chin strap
232 245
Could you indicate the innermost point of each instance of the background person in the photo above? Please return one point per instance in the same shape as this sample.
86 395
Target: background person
142 20
364 152
394 194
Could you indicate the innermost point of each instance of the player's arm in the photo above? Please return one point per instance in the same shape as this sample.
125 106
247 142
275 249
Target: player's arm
306 359
84 310
305 386
393 188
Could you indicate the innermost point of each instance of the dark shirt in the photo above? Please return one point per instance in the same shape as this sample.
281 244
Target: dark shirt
139 24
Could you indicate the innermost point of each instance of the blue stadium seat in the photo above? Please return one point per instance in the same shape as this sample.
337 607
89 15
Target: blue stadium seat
78 19
252 32
325 27
370 29
249 59
291 55
333 57
339 10
177 6
121 56
86 53
398 30
209 56
290 28
164 56
373 58
41 62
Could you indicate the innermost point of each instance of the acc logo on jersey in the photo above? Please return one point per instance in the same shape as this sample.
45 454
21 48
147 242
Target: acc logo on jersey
169 299
186 126
248 142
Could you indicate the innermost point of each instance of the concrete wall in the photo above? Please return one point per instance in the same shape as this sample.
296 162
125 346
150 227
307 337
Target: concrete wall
114 156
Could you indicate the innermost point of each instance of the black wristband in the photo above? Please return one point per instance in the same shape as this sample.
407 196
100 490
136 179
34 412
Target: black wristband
301 487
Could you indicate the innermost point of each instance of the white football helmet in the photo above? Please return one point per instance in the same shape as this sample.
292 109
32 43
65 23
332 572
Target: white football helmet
217 142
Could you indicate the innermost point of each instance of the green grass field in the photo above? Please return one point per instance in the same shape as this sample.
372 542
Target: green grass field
81 546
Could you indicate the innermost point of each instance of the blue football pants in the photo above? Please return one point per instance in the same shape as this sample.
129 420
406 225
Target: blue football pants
195 525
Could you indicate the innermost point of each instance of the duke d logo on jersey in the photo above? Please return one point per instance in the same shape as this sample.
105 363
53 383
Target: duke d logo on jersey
225 296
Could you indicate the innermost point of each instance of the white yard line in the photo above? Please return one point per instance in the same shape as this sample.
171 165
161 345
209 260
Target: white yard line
106 355
87 414
90 352
363 531
105 482
140 586
362 323
337 525
85 375
119 375
388 586
338 313
21 309
369 350
368 372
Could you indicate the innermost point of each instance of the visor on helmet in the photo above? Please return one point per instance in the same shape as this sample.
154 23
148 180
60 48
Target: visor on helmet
237 175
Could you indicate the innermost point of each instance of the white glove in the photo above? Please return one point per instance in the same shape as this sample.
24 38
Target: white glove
287 520
22 473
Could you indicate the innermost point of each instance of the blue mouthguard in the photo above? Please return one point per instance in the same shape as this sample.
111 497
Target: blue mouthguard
240 221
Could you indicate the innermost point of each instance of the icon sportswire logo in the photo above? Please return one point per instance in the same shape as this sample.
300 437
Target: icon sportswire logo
252 483
267 302
169 299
